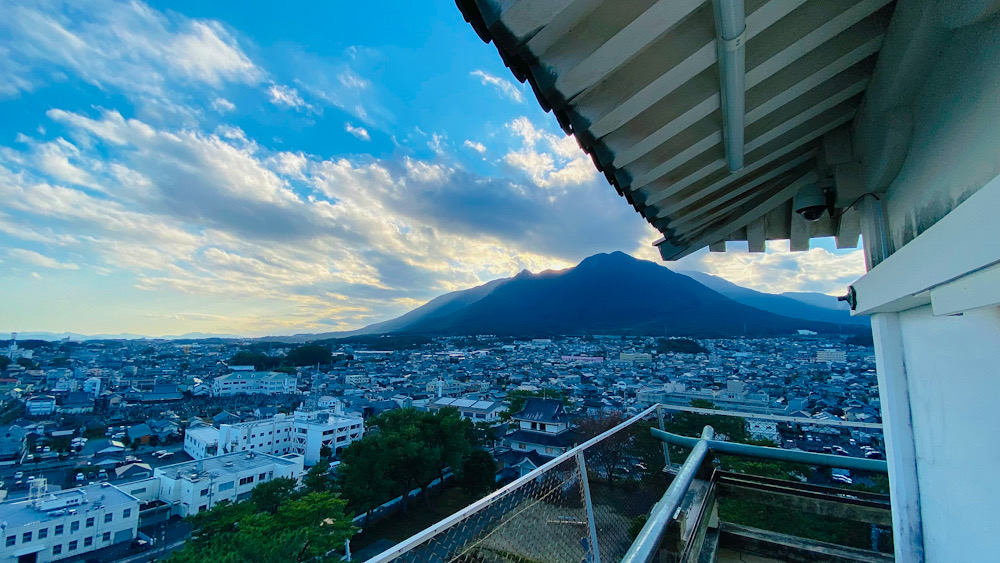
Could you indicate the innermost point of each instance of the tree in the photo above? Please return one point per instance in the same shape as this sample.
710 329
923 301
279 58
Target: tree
608 457
325 452
302 528
362 476
691 424
259 361
679 345
318 479
267 497
4 362
27 363
309 355
478 474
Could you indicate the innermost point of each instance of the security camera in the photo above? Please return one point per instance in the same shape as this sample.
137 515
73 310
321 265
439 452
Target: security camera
811 201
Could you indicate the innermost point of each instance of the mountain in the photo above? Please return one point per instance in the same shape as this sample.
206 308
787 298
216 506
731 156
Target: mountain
605 293
810 306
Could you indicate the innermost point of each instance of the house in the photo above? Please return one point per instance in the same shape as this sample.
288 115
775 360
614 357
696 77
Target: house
132 471
476 411
225 417
163 429
12 442
140 432
543 428
75 402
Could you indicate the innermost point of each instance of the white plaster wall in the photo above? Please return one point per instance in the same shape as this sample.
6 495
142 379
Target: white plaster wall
955 142
953 373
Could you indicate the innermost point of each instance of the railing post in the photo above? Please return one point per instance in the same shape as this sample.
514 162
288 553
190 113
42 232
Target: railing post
595 551
666 447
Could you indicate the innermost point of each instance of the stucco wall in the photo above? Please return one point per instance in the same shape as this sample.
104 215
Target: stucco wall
955 141
953 375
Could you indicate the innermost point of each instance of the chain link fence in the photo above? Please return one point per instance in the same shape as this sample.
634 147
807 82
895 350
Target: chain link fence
596 494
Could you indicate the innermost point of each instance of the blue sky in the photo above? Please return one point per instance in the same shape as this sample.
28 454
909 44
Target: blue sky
260 168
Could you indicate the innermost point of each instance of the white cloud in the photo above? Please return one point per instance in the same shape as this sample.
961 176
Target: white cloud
478 147
223 105
551 161
286 96
127 46
36 259
504 87
359 132
778 270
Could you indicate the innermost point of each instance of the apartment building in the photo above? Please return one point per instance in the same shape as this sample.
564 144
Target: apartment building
253 383
193 486
304 433
49 526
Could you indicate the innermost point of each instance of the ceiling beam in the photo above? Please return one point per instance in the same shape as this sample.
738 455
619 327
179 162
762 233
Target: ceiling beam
666 209
743 219
658 20
703 58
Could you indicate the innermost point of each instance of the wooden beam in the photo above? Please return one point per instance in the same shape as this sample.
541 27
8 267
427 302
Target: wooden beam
681 73
848 229
756 241
744 218
799 239
659 19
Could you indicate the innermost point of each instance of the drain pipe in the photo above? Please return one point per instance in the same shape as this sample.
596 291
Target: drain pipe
730 26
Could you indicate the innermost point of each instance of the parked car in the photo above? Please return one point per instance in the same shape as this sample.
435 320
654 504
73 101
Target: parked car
19 475
842 479
103 474
80 477
132 459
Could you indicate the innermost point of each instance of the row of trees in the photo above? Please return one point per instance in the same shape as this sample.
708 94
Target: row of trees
277 524
407 449
308 355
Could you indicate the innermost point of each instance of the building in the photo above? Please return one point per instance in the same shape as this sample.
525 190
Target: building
40 405
442 387
304 433
15 353
194 486
543 432
92 386
253 383
476 411
201 441
830 355
763 430
52 526
635 357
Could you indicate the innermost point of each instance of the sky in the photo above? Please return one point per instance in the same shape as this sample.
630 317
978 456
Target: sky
278 168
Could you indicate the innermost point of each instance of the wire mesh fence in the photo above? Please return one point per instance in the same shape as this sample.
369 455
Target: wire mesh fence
593 495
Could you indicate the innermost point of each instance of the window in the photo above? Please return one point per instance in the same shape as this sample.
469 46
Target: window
138 491
126 513
534 426
57 549
88 541
108 517
72 545
43 533
226 486
246 480
204 492
90 523
11 540
59 530
26 537
203 507
106 536
261 476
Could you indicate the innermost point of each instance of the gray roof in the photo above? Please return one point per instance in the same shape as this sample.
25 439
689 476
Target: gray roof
541 410
216 466
21 512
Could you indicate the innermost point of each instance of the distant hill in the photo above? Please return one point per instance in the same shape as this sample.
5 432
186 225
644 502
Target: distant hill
609 293
811 306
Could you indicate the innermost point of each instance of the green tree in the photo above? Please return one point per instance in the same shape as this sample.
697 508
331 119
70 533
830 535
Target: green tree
325 451
27 363
362 476
691 424
318 479
259 361
301 528
478 474
267 497
309 355
4 362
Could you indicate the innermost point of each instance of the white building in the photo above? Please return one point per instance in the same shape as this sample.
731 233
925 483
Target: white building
40 405
830 355
304 433
253 383
356 379
201 441
15 353
471 409
92 386
52 526
763 430
194 486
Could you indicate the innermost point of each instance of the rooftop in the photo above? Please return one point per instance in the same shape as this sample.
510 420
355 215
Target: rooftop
227 464
59 503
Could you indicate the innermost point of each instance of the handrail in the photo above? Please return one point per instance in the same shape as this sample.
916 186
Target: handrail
649 538
435 529
765 452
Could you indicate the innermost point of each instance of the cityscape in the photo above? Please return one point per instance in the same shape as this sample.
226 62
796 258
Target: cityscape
499 281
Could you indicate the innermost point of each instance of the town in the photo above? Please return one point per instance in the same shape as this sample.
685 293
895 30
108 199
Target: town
159 430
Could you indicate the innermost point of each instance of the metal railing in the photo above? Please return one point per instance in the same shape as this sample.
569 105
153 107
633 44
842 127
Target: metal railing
577 507
588 504
652 533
